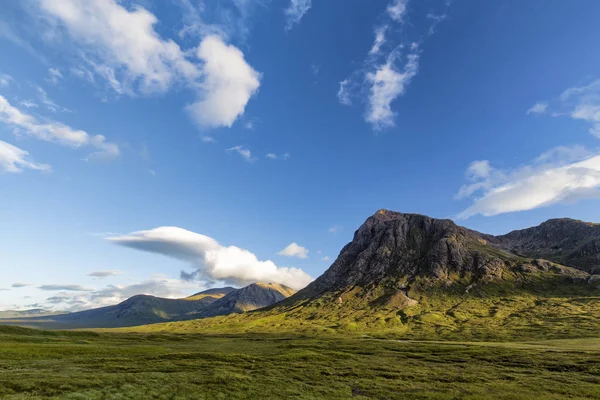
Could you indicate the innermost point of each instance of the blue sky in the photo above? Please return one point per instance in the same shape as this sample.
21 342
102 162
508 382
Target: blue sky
246 140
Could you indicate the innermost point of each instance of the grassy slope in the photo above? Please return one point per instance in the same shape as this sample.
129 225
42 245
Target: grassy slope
134 366
537 308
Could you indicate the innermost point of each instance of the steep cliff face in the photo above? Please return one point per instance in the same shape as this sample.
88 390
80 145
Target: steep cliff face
394 250
565 241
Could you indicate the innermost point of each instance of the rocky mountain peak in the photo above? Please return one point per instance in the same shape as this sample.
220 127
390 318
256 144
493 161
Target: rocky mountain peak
393 250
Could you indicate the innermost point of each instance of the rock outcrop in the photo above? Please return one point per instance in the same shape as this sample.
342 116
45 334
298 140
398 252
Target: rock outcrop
393 250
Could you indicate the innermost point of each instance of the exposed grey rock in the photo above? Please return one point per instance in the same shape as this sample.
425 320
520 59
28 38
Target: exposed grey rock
564 241
393 249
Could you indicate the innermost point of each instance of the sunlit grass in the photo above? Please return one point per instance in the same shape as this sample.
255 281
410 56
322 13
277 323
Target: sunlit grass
163 366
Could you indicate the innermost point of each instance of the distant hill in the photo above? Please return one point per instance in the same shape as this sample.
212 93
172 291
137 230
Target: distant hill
565 241
418 276
34 312
144 309
252 297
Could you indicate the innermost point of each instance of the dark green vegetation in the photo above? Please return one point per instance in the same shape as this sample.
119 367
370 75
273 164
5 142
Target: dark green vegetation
85 365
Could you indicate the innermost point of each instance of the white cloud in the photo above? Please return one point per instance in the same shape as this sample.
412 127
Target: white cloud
294 250
538 108
54 75
560 175
295 11
397 9
243 152
326 258
379 39
14 159
211 260
20 285
104 274
55 131
208 139
387 84
70 288
121 46
229 83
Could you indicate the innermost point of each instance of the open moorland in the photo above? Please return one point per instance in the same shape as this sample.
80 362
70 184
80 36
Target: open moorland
87 365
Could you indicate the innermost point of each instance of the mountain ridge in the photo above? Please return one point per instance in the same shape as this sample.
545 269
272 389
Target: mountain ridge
421 277
146 309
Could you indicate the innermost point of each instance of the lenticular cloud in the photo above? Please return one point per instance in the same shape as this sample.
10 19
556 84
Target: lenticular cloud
211 260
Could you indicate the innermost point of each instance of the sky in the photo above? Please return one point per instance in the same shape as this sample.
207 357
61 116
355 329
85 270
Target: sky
164 147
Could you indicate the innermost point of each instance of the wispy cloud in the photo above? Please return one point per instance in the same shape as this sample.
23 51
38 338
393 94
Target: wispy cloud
295 11
159 286
104 274
47 102
211 260
5 80
379 39
273 156
208 139
28 104
564 174
579 102
54 132
391 64
61 287
387 84
294 250
54 75
343 94
335 229
20 285
243 151
14 159
538 108
397 9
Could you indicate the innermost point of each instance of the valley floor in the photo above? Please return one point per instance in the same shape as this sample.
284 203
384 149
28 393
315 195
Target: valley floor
84 365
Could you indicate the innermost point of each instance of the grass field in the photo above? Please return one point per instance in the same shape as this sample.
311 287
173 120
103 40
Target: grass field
85 365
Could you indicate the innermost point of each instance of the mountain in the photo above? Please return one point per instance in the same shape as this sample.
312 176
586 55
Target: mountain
416 276
215 292
34 312
144 309
252 297
565 241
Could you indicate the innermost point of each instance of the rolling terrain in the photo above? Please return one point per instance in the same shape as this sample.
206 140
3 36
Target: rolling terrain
413 307
144 309
414 276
